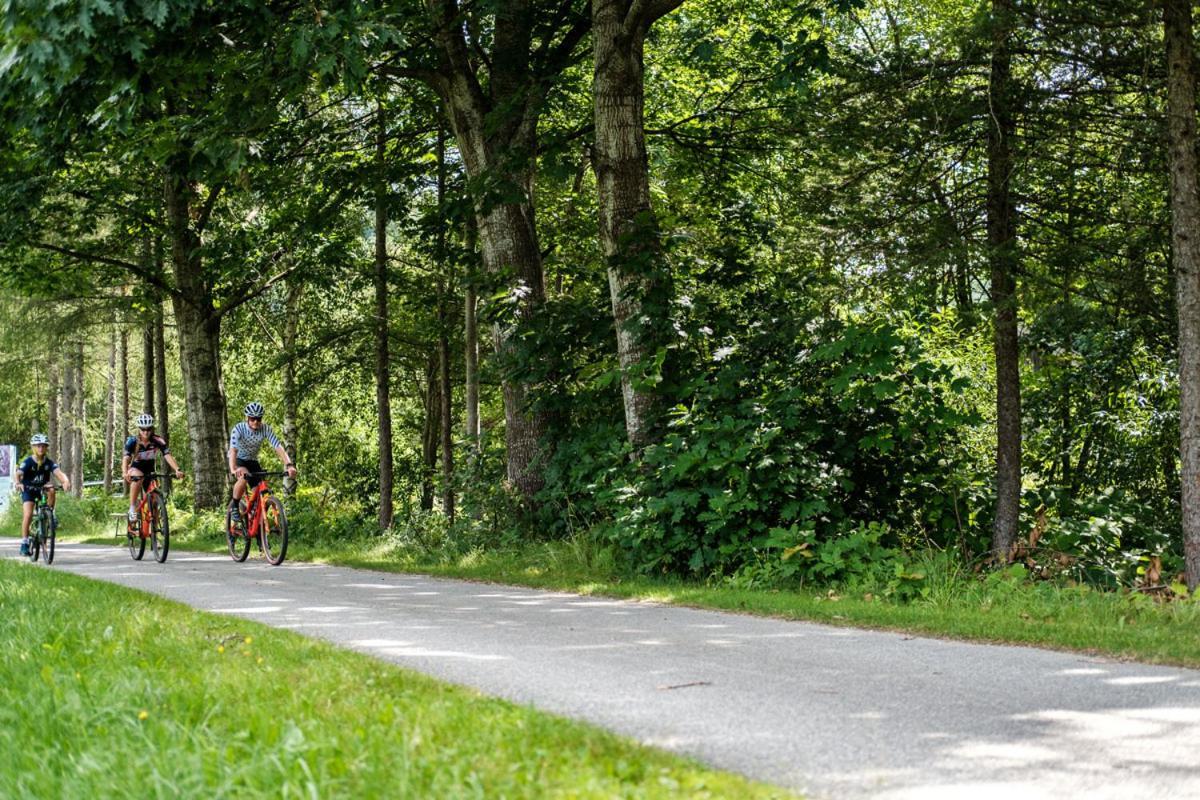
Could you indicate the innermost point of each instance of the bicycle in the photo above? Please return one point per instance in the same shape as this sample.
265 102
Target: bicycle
260 517
43 529
151 523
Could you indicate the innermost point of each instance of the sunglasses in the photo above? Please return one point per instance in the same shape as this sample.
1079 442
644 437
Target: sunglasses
145 429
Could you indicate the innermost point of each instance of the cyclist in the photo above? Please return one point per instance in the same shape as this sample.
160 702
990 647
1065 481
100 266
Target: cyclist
138 461
244 442
33 477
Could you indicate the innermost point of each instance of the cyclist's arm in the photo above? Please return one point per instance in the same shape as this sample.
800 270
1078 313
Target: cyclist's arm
233 468
63 479
125 466
20 485
170 459
284 457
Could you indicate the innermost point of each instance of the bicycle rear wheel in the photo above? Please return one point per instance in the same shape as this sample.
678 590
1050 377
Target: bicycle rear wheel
48 534
235 533
160 529
273 532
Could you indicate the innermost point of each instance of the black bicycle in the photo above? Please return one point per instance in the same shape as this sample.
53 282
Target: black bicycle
42 530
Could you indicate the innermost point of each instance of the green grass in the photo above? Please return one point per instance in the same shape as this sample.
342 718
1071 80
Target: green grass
1000 607
111 692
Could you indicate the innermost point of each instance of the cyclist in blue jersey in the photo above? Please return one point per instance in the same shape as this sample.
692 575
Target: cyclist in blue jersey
138 461
33 478
245 440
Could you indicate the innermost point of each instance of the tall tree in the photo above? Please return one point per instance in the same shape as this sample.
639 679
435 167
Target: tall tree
1185 253
628 226
1004 258
492 67
383 365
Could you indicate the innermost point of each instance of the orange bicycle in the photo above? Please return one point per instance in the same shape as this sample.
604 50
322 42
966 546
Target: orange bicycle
151 522
260 517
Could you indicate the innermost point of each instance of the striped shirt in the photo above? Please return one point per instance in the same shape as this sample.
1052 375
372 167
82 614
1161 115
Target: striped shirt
247 441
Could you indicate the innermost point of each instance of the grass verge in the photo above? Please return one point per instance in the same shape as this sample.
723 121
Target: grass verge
110 692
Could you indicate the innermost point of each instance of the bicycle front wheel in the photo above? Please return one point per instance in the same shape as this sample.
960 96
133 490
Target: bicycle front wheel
137 542
235 534
273 533
48 535
160 528
35 540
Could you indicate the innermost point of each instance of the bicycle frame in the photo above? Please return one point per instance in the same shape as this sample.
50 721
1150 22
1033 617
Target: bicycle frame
256 508
150 486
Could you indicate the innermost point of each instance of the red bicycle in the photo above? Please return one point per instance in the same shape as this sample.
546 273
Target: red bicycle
151 522
260 518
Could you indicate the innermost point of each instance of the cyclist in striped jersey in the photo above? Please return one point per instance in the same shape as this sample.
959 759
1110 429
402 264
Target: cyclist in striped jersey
245 440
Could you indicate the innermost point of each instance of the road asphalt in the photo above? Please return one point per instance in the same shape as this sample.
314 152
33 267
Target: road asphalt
830 712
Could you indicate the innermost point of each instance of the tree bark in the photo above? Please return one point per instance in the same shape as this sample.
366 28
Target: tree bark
429 433
148 369
162 414
80 423
66 412
291 403
110 444
1185 252
122 425
471 345
199 328
383 392
53 423
1002 252
446 409
629 235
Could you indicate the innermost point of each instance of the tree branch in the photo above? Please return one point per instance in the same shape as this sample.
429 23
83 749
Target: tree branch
147 275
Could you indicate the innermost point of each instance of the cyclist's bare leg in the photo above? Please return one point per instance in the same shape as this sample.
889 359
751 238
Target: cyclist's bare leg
26 516
50 495
135 487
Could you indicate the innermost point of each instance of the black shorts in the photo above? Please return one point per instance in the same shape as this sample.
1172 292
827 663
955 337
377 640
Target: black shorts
144 467
253 466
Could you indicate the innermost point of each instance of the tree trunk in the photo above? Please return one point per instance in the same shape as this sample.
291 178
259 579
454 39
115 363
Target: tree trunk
1185 252
471 344
122 425
66 412
110 444
383 371
629 234
446 410
429 433
162 415
199 328
80 420
497 136
53 423
148 369
1002 252
291 403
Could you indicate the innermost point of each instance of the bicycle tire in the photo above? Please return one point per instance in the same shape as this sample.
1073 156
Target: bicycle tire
273 532
35 539
160 528
137 542
239 542
48 535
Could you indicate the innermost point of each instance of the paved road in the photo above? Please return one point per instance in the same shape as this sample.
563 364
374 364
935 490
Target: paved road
833 712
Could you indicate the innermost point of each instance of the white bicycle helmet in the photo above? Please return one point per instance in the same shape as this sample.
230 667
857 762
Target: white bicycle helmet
39 438
144 421
254 409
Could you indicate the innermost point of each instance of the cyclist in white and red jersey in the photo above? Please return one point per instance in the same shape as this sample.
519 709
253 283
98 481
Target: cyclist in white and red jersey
138 461
245 440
